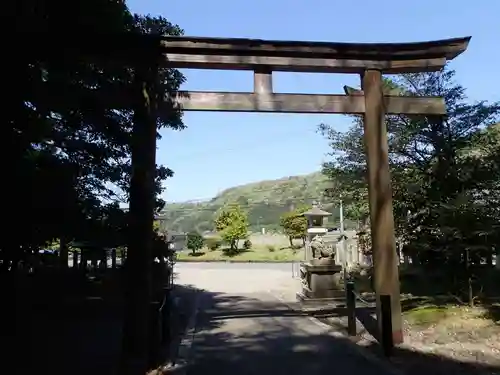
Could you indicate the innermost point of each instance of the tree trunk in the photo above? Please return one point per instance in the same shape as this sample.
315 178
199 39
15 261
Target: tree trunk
489 258
83 259
63 252
113 258
470 291
414 260
290 239
104 260
136 345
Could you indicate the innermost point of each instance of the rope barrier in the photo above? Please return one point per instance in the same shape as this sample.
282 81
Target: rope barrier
386 316
362 300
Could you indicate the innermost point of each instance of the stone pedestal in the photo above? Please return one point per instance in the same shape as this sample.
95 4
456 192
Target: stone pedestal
322 284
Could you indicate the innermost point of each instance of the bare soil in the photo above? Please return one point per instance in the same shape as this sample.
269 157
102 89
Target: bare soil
451 340
466 339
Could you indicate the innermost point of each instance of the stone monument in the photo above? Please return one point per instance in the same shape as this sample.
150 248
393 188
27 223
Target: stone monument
322 283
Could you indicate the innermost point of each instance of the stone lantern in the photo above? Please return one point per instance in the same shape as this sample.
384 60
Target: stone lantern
161 220
322 283
315 227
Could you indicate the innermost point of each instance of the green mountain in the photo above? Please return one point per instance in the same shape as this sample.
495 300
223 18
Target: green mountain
264 202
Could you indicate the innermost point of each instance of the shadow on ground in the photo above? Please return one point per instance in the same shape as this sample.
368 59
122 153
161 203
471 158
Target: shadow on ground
227 251
246 335
67 333
236 334
197 254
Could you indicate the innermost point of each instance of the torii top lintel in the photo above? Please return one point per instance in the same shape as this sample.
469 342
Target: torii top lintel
254 54
262 57
272 55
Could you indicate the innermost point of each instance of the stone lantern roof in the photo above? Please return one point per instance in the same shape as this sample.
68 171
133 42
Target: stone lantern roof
316 211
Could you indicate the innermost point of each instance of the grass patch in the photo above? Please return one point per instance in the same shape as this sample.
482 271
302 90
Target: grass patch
255 254
429 314
195 255
435 298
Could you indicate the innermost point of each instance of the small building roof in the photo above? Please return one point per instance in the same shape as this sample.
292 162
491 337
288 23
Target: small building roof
316 211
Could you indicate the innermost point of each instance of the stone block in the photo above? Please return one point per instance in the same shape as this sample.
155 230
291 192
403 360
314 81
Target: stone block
322 278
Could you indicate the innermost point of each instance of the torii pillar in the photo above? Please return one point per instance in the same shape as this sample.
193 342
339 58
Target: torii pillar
386 275
385 259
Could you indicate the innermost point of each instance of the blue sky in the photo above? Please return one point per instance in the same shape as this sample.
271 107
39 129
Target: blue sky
220 150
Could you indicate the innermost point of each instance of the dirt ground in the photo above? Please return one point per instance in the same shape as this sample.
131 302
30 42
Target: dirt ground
470 336
439 341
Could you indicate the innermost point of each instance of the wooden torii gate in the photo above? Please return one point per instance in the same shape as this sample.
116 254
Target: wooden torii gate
144 53
369 61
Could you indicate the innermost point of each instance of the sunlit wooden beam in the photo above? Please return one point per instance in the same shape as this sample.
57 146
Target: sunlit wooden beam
357 92
303 103
301 56
301 64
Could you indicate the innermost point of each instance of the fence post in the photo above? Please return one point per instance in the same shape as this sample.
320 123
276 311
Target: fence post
351 308
83 260
386 326
104 259
165 316
155 330
113 258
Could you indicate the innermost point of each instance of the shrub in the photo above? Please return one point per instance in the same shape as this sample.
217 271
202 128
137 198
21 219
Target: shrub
271 248
213 243
194 241
247 245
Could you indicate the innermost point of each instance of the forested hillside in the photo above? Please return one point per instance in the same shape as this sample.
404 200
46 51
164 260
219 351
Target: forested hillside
264 202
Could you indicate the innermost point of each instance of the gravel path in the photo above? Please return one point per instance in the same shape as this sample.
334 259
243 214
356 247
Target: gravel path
243 328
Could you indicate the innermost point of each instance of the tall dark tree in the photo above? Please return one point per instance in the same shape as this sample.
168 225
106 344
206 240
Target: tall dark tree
444 170
70 144
72 160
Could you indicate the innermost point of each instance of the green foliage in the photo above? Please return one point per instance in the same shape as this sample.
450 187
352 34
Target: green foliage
445 180
294 224
160 247
271 248
429 314
213 243
247 244
156 226
264 202
194 241
232 224
78 157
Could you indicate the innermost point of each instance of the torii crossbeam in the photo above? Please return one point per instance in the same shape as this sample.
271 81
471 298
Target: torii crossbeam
264 57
